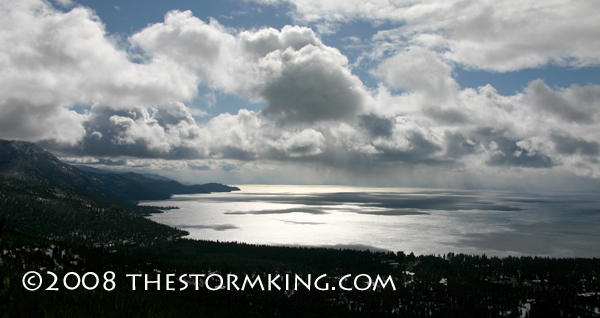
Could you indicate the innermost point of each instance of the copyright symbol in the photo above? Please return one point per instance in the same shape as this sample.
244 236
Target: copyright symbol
29 281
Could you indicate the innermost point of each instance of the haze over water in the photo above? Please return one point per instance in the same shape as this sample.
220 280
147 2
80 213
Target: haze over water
423 221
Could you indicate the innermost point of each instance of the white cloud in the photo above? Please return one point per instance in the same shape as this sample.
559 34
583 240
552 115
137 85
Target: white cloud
500 36
307 142
300 79
51 60
421 70
55 57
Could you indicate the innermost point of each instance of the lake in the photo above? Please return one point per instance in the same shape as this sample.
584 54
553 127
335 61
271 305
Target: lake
423 221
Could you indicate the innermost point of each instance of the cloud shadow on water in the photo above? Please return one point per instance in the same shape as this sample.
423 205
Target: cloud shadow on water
393 212
309 210
359 247
356 247
218 227
562 238
302 223
429 200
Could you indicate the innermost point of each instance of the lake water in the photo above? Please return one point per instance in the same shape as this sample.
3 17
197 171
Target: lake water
423 221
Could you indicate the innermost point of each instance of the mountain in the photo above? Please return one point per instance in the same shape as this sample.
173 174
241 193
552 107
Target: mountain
42 196
92 169
102 171
28 168
131 187
156 177
217 187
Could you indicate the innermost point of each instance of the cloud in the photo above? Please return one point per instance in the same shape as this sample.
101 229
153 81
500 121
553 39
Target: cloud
53 60
308 142
377 126
20 119
408 146
65 58
193 44
65 3
313 85
419 69
200 168
575 104
503 36
457 145
506 152
568 145
170 132
299 78
262 42
67 84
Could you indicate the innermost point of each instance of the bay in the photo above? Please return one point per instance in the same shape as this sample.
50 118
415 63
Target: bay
423 221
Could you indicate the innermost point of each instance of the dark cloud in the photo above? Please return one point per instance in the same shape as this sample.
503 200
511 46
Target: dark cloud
230 152
446 116
377 126
312 89
199 168
23 120
577 108
301 150
507 152
102 134
510 154
228 167
569 145
110 162
488 132
457 145
419 152
180 152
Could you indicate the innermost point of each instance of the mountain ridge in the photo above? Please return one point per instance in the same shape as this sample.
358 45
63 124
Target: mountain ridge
42 196
30 164
132 187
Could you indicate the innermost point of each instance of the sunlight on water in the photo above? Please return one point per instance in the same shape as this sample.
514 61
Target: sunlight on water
423 221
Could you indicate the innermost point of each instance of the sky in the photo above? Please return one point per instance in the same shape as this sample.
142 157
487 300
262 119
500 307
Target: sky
419 93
